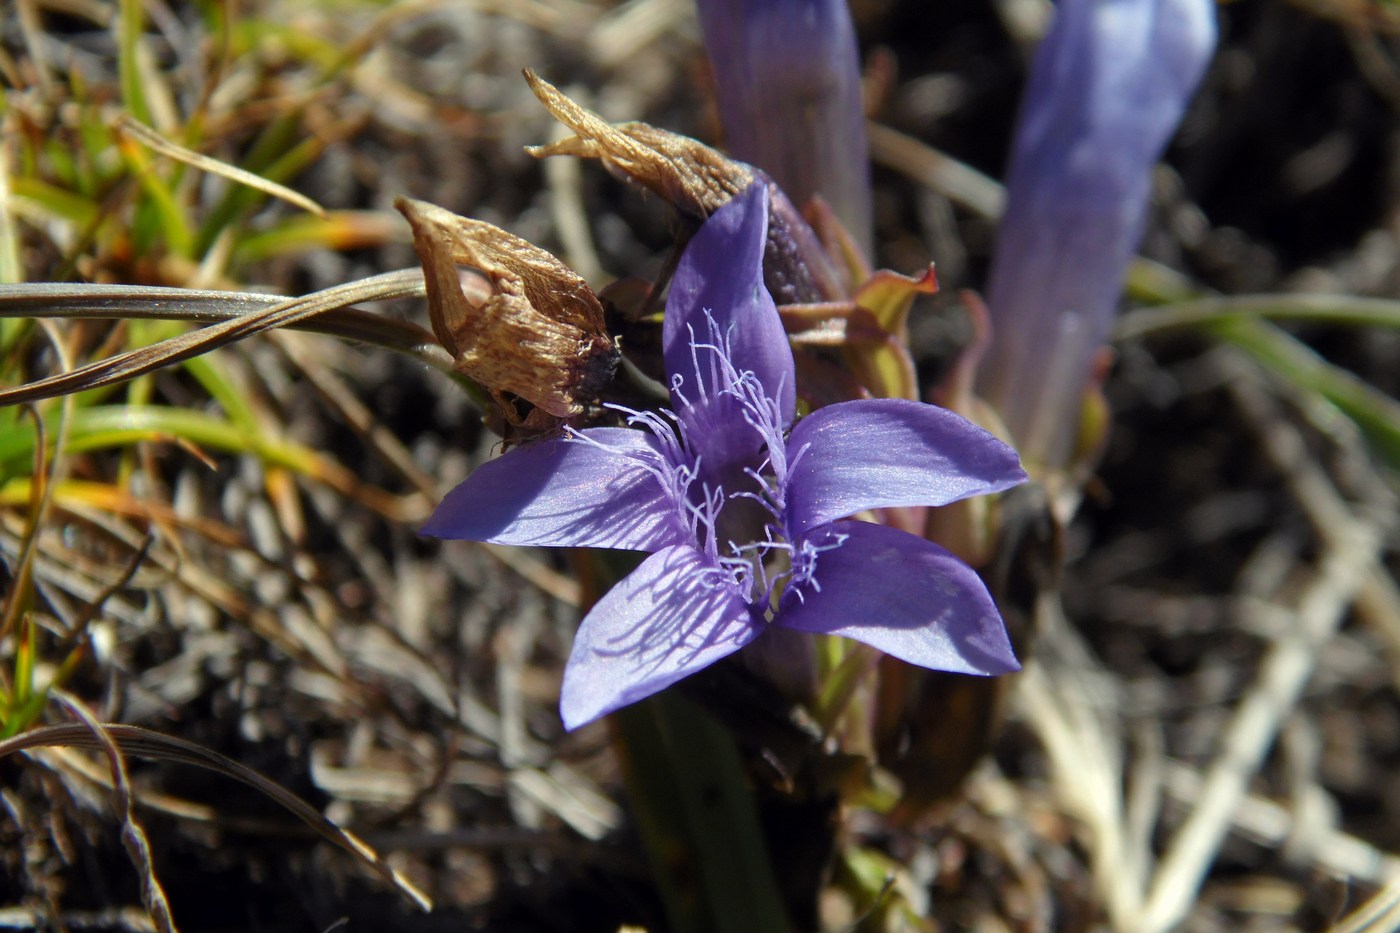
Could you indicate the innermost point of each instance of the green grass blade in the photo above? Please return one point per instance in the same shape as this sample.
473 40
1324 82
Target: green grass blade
130 24
1244 321
1377 415
114 426
169 213
696 812
1342 310
51 199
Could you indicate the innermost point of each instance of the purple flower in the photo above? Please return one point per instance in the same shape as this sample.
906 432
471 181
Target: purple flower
1109 84
787 76
745 513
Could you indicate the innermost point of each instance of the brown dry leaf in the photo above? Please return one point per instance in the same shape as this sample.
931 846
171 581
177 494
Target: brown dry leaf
540 336
685 172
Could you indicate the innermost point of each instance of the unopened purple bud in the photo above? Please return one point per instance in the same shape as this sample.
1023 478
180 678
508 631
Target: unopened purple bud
787 73
1108 87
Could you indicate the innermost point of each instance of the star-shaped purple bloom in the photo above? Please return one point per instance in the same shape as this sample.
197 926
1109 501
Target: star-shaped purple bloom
746 515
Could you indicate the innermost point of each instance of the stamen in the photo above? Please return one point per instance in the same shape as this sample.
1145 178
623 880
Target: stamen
777 561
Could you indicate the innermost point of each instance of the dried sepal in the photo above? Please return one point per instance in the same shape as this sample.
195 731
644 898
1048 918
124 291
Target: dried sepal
539 333
696 179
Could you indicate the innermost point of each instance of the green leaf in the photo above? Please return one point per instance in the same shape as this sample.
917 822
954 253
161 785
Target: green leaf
1244 321
108 426
695 809
1376 414
130 24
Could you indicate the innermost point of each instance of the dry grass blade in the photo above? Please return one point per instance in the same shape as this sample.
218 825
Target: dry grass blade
39 496
152 140
14 616
1380 914
134 740
356 413
566 204
133 836
956 181
79 634
1274 826
289 312
202 306
1354 538
1070 708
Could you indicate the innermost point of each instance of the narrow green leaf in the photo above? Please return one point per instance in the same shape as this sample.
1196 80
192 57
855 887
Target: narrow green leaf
169 213
108 426
60 202
1376 414
1244 321
130 23
696 812
1198 312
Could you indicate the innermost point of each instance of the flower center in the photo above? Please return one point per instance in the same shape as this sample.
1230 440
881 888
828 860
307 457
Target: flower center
724 465
733 438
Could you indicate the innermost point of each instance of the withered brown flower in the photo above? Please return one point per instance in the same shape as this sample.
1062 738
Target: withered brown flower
537 338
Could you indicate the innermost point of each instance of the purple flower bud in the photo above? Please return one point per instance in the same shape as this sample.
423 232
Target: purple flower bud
1108 87
787 74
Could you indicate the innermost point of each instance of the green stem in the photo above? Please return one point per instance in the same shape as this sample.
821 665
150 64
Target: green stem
696 812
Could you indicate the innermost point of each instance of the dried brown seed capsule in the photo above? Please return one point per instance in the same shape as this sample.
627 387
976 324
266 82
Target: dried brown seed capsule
538 336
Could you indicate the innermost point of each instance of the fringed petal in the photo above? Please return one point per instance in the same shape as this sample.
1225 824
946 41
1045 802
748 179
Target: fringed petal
884 453
672 616
593 491
903 595
718 298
